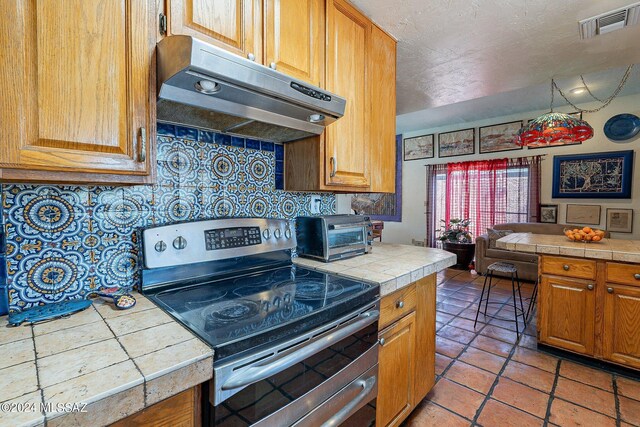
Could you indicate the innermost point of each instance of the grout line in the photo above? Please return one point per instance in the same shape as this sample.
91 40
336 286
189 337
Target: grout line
552 392
144 380
35 362
616 400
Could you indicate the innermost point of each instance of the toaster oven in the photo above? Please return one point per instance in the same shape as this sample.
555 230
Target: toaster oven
332 237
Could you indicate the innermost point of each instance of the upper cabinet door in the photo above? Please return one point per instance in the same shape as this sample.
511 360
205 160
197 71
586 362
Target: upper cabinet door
347 140
234 25
382 142
294 38
75 86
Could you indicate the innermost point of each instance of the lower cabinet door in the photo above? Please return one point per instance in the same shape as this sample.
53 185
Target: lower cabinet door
567 314
396 372
621 335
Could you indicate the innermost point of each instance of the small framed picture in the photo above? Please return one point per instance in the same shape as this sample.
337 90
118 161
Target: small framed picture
583 214
457 143
549 214
418 147
500 137
620 220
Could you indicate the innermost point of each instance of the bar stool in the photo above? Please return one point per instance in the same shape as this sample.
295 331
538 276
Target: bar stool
507 268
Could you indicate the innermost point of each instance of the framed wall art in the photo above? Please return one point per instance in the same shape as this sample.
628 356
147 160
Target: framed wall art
593 176
419 147
383 206
620 220
500 137
549 214
583 214
457 143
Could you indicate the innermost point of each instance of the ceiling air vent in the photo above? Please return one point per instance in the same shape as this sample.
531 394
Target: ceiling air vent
610 21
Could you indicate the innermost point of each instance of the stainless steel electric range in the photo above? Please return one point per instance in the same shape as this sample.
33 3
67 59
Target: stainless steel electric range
292 346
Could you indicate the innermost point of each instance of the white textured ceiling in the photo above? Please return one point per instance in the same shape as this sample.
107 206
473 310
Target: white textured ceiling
451 51
532 98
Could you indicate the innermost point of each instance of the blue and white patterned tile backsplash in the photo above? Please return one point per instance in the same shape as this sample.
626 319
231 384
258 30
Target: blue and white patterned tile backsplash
66 242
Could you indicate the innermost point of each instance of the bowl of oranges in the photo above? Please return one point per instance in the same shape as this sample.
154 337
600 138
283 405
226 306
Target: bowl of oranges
586 234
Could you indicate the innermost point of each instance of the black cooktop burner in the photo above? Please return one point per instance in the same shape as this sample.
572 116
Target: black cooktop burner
306 289
231 311
245 312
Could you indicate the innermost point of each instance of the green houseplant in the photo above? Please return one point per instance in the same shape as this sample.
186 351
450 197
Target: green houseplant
456 238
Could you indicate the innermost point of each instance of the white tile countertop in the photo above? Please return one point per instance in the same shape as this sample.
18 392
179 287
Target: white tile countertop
116 362
393 266
608 249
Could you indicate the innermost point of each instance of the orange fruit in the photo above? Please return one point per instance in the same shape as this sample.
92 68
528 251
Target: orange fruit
596 238
588 237
586 229
575 230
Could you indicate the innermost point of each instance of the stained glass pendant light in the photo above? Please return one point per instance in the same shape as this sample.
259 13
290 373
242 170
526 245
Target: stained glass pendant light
555 128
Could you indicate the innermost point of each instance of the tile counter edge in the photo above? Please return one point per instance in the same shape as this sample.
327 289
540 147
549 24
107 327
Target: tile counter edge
116 363
607 249
392 266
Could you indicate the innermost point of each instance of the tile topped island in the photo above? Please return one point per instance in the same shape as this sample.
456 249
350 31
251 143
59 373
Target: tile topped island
588 295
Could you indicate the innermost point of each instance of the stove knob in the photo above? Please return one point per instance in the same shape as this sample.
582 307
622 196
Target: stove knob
266 305
180 243
277 233
266 233
287 233
277 301
160 246
287 298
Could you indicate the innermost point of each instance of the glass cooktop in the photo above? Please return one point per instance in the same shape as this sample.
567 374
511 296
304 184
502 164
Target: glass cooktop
248 311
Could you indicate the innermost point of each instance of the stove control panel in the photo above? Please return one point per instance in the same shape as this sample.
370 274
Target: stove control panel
225 238
213 240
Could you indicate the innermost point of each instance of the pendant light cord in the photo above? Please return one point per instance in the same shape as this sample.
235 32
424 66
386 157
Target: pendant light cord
605 102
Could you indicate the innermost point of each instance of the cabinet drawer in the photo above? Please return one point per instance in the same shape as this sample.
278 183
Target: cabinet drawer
397 304
569 267
627 274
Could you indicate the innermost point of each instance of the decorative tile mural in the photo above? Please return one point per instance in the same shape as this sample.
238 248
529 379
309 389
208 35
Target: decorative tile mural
66 242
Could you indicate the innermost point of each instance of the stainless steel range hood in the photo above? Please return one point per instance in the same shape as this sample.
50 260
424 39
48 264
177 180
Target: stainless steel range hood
204 86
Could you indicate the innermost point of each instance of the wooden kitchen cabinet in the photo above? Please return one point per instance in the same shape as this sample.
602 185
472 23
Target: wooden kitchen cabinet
567 313
78 91
234 25
395 371
294 38
356 153
382 140
181 410
406 359
621 335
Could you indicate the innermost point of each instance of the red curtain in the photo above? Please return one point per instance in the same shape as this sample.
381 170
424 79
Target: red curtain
492 192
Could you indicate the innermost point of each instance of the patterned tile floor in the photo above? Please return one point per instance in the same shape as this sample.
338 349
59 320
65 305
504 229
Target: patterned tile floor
485 379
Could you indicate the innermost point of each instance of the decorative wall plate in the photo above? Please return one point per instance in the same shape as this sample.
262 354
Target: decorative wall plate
622 127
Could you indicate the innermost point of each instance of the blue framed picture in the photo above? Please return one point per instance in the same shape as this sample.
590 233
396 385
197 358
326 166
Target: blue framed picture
593 176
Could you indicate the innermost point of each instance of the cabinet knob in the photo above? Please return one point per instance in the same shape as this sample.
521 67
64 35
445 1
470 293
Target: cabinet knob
272 65
610 290
590 287
251 57
636 276
400 304
565 267
382 341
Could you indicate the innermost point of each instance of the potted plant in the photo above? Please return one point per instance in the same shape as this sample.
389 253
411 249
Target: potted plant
456 238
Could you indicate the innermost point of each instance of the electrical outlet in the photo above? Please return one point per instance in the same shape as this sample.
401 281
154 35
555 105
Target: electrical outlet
315 204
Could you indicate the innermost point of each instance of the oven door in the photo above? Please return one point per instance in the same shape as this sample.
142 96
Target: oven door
333 374
346 240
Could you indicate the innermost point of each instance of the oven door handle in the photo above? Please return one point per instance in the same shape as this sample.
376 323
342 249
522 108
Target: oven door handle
352 225
257 373
347 410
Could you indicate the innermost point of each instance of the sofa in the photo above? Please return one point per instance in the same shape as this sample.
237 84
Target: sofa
527 264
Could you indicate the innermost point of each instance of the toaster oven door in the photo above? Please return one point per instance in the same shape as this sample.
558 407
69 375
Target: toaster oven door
346 240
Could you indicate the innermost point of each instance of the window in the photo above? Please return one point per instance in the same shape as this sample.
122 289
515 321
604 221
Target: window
487 192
